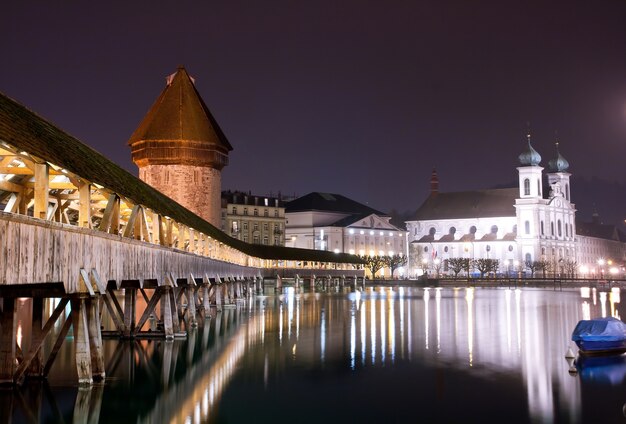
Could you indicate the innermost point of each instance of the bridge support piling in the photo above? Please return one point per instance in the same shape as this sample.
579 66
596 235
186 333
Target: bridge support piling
8 342
81 340
279 283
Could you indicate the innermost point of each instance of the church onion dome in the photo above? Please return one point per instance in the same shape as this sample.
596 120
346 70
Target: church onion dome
179 129
559 164
529 157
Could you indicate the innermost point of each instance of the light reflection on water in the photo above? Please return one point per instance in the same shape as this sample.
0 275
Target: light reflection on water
423 352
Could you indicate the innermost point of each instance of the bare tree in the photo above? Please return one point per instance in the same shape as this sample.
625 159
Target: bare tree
374 263
486 266
535 266
457 265
395 261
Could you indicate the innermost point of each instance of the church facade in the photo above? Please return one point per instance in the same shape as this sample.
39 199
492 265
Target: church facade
519 226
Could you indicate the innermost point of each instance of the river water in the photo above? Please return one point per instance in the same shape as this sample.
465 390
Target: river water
387 354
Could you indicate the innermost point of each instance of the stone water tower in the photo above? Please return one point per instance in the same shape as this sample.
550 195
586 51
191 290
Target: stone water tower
180 149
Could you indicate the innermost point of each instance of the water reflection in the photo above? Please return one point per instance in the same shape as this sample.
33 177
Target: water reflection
507 343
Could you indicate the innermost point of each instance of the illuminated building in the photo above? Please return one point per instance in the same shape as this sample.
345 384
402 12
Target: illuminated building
533 222
325 221
253 219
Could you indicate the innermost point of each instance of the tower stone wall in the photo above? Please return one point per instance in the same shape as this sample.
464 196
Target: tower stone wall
197 188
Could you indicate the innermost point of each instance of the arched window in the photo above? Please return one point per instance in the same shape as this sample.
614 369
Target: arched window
542 228
445 249
558 227
552 228
425 248
432 231
452 230
494 229
528 258
488 248
566 230
527 227
538 187
510 247
526 187
473 229
567 191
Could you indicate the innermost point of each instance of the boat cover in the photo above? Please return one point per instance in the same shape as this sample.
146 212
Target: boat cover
599 330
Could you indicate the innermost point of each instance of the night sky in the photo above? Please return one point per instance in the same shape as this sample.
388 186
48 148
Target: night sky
360 98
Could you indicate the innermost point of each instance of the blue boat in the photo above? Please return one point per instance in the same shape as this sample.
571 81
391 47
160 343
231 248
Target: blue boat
600 336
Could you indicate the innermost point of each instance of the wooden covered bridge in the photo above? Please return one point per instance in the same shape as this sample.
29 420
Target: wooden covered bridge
75 226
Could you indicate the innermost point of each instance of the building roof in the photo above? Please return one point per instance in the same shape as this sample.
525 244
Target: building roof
328 202
598 230
180 114
469 204
25 130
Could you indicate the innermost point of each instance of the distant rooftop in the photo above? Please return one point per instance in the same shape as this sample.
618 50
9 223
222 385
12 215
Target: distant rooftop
330 202
469 204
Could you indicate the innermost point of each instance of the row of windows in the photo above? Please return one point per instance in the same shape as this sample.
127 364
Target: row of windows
569 228
452 230
255 212
467 248
255 226
257 240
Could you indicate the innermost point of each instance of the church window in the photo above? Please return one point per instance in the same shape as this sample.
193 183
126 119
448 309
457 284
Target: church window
567 191
538 187
528 258
566 230
473 229
510 247
542 233
552 228
494 229
452 230
425 249
488 248
558 226
527 227
526 187
432 231
445 249
543 250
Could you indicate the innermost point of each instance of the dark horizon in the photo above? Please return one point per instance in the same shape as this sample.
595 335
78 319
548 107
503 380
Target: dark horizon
352 98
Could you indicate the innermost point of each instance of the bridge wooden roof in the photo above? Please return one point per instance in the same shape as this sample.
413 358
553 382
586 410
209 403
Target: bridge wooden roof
27 131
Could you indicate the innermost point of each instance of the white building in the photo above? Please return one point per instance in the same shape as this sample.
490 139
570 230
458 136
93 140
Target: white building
324 221
534 221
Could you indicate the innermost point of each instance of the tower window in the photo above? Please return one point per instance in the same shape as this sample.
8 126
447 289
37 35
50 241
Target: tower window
558 225
527 227
542 228
552 228
567 192
526 187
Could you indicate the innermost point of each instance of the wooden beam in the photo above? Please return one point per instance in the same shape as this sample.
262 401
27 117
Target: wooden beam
110 221
15 170
130 224
42 187
9 186
145 229
84 205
